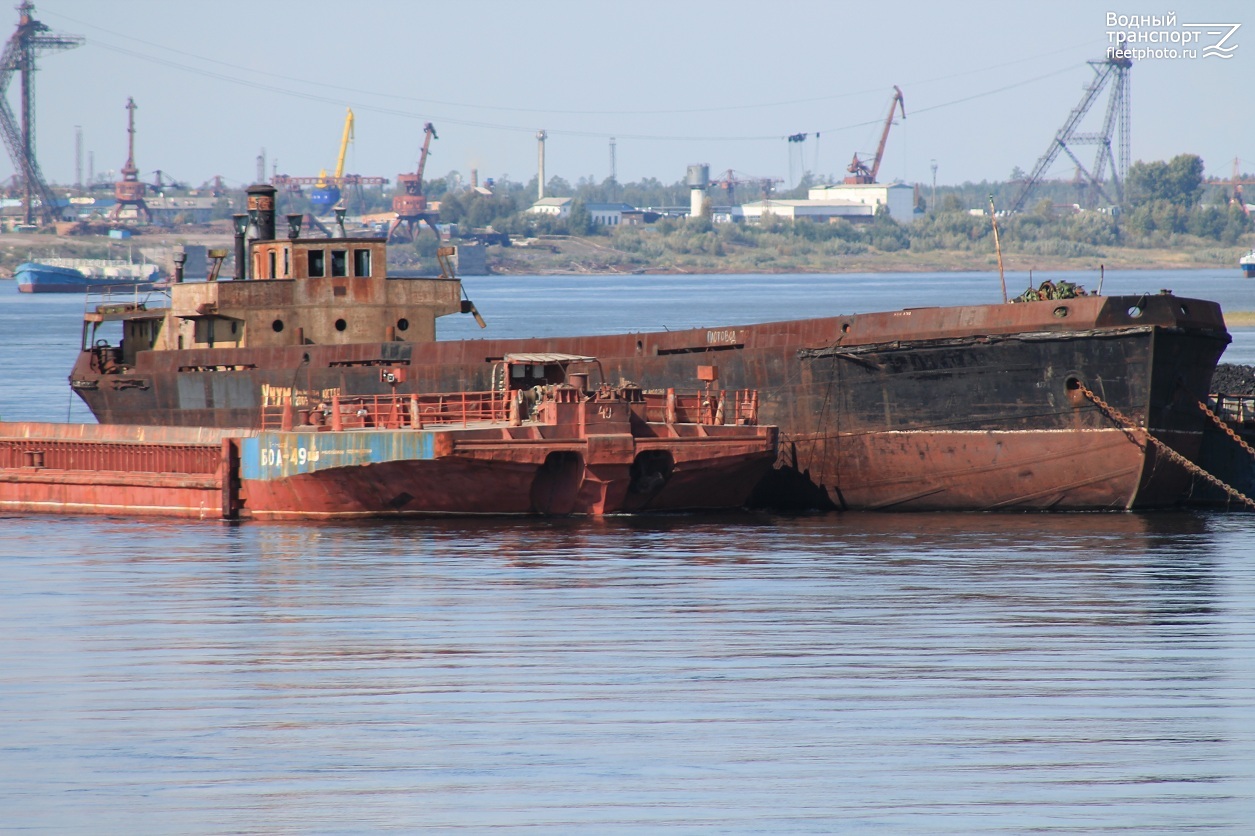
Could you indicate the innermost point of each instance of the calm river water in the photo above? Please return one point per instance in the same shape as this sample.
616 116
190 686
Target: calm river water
736 673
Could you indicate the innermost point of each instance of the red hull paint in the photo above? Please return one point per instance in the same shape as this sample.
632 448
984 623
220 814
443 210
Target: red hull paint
591 465
994 471
55 491
461 486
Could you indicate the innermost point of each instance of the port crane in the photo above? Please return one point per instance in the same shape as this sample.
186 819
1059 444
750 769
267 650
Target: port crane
18 57
860 171
411 204
327 188
326 193
1236 182
728 182
161 182
129 191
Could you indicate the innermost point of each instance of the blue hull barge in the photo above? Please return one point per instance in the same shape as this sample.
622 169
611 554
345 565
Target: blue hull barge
78 275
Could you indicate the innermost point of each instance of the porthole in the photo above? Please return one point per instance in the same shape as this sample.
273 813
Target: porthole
845 327
341 325
1185 310
403 324
1061 311
277 325
1135 311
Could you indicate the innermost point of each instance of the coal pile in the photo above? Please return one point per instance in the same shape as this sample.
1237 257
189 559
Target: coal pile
1232 379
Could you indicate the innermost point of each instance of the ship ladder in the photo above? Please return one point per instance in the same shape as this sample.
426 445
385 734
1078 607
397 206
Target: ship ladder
1131 430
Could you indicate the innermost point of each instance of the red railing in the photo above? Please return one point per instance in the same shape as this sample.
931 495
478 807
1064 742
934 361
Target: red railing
394 412
740 406
400 412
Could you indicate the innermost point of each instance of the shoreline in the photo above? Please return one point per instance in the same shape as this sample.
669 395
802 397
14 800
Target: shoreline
598 256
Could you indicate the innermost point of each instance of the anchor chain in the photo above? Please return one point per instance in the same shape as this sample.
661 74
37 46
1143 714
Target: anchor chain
1130 429
1224 425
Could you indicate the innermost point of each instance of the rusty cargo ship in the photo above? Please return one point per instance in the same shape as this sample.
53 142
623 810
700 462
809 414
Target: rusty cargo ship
1076 404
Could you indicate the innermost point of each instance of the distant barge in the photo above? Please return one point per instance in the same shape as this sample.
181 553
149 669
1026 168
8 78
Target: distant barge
78 275
540 443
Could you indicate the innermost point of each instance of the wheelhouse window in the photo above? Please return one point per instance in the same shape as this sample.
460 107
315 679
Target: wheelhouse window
317 267
361 262
339 262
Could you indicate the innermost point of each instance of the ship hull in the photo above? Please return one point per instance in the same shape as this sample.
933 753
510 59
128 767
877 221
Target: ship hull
317 475
966 408
44 278
517 480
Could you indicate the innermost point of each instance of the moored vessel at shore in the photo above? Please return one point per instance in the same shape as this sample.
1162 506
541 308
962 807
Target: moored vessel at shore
78 275
955 408
1247 263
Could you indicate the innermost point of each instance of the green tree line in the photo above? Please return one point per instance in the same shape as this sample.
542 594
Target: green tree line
1163 201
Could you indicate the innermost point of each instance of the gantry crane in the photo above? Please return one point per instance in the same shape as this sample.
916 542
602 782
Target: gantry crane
19 56
1119 107
411 204
728 182
1236 182
860 172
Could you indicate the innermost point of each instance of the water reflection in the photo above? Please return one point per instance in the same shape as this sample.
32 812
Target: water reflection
919 672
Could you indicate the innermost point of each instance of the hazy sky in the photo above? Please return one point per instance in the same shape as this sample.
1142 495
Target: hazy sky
986 85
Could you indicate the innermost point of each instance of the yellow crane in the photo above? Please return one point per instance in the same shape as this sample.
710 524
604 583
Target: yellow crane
326 193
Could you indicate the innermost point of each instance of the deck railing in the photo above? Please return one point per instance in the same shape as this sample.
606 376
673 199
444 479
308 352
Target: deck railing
739 406
392 412
419 411
1238 409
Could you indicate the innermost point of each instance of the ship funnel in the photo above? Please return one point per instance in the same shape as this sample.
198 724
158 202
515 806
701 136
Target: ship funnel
261 210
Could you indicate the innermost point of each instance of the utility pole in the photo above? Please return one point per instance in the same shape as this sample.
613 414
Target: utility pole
932 206
540 153
78 156
614 182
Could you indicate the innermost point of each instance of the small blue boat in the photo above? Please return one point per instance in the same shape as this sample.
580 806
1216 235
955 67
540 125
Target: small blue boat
77 275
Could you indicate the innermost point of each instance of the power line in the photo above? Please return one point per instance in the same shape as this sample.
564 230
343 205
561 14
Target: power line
357 93
515 128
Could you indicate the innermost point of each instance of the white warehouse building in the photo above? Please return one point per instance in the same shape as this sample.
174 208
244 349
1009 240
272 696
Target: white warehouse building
898 198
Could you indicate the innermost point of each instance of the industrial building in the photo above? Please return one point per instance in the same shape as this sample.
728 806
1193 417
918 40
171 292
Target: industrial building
557 206
897 198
